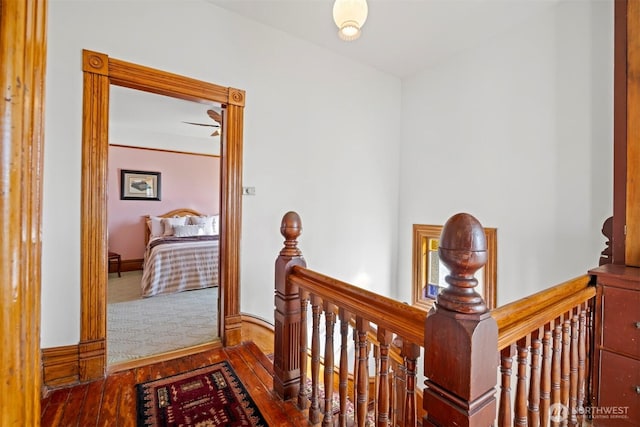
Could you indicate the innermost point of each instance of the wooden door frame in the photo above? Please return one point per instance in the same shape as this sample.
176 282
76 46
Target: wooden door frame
23 53
618 243
99 72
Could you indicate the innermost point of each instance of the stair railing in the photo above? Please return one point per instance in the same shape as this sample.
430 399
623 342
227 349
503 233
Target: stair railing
550 336
466 346
391 396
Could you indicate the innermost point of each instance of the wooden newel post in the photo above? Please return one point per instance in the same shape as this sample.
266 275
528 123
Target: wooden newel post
461 337
286 363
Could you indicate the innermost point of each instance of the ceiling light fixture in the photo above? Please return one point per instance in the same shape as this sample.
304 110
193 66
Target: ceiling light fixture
350 16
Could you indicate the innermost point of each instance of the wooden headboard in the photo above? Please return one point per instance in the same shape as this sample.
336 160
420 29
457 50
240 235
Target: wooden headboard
170 214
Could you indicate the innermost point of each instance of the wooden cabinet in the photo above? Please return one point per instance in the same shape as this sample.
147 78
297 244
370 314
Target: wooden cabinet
616 356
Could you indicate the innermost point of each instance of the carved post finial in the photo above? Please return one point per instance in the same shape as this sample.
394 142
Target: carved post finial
291 228
463 250
607 231
460 336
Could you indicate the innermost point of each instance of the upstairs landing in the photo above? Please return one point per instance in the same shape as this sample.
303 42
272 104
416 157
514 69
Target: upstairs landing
112 401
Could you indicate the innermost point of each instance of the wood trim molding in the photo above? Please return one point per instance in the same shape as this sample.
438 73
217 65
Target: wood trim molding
259 331
134 76
128 265
60 366
231 178
619 132
162 150
236 97
92 359
100 71
632 238
93 217
23 53
164 357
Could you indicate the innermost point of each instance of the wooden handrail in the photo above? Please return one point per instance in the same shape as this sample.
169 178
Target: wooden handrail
387 313
549 332
544 342
520 317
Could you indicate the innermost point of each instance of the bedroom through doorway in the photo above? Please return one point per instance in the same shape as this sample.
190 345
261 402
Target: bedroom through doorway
167 309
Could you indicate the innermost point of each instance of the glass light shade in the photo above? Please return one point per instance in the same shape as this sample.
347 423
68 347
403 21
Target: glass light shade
350 16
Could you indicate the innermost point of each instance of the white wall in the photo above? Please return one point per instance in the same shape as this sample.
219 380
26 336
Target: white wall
517 132
313 143
527 119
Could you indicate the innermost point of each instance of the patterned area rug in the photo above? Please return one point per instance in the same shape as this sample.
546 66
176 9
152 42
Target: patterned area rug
206 397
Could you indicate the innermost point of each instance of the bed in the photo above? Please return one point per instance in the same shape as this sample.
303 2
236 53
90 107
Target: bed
181 252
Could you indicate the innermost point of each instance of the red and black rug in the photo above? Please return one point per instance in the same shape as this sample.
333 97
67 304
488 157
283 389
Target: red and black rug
205 397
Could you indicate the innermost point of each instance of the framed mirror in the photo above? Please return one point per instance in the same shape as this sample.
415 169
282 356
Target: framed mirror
429 273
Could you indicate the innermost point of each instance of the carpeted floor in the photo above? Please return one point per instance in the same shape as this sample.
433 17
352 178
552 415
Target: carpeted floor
139 327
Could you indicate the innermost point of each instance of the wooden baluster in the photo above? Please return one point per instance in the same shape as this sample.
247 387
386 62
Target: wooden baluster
566 367
392 392
399 386
373 403
520 406
555 372
589 333
573 374
286 360
330 321
506 361
345 317
533 413
384 338
582 356
460 335
545 383
355 371
314 408
362 326
303 399
410 353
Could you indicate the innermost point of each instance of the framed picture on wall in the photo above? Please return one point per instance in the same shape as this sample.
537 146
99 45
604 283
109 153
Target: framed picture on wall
139 185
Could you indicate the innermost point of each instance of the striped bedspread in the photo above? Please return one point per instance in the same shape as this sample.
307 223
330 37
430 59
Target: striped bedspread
178 266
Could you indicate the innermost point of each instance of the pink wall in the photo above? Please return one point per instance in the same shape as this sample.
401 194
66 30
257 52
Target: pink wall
187 181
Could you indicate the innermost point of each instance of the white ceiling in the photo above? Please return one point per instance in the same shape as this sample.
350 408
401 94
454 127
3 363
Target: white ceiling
400 37
144 119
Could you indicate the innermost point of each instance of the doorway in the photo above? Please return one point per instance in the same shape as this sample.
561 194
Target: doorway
173 147
100 72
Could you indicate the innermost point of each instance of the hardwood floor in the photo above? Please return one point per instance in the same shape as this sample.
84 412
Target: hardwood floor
112 401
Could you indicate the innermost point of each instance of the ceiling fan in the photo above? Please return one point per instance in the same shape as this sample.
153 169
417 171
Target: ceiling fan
217 119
